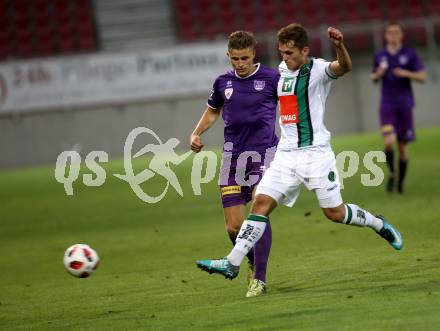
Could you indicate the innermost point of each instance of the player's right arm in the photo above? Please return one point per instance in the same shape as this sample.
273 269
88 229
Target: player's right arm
343 63
378 73
208 118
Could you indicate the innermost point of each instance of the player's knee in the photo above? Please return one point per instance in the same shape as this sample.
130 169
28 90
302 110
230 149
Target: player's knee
258 205
262 205
232 229
334 215
389 142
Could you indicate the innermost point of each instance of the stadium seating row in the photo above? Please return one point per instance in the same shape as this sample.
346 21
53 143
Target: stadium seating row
46 27
205 19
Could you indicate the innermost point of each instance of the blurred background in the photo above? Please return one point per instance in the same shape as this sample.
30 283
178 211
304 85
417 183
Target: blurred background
81 74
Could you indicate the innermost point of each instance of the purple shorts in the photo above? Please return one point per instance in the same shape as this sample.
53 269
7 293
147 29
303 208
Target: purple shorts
240 175
398 120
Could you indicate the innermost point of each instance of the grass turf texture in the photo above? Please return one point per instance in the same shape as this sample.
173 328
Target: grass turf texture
322 276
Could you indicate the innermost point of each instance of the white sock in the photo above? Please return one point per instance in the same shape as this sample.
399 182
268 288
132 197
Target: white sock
355 215
250 232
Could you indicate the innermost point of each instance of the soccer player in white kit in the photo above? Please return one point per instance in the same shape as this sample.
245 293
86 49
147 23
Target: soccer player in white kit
304 155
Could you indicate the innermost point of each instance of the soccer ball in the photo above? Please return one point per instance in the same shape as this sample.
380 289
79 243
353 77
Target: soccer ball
80 260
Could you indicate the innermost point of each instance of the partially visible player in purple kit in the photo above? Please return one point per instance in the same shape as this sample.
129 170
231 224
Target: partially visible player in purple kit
396 65
246 97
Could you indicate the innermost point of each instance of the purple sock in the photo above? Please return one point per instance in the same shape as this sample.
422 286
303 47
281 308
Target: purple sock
389 153
403 165
262 249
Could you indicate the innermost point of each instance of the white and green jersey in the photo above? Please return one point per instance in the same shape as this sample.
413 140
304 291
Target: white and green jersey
302 95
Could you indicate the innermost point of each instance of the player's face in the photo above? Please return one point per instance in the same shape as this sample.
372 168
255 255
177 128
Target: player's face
292 55
393 35
242 60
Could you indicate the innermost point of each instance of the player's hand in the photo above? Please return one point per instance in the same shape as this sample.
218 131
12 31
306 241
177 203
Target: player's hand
380 72
196 143
402 73
335 36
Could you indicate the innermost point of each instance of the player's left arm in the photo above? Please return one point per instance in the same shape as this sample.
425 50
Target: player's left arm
418 76
414 70
343 63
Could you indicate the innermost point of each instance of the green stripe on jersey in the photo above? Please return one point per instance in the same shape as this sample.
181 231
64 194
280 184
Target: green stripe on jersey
304 125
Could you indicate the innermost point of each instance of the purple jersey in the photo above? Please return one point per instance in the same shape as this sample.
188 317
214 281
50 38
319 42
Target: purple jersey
395 90
248 108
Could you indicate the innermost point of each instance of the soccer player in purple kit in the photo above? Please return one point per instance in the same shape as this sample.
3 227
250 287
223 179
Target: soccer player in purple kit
246 97
396 66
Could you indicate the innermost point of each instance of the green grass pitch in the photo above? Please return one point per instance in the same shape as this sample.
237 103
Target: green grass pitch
322 276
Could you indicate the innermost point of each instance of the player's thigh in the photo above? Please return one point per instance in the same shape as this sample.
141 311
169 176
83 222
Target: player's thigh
279 182
405 121
234 217
328 189
388 124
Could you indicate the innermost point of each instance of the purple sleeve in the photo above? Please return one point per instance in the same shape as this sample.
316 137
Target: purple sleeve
375 62
275 84
416 63
215 100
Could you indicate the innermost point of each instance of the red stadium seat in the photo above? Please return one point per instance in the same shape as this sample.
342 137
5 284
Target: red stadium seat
61 7
189 35
225 4
433 6
226 17
395 10
83 4
202 5
270 21
4 6
207 16
4 23
310 16
184 19
437 33
182 5
415 8
43 32
40 3
20 6
350 10
315 46
24 50
290 13
67 44
86 29
332 13
87 43
373 10
44 45
359 41
5 50
209 32
416 36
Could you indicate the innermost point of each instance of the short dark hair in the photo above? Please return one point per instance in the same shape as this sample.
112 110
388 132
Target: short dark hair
395 23
293 33
241 40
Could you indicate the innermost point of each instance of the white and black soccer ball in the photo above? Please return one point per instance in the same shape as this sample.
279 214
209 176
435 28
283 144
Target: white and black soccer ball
80 260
